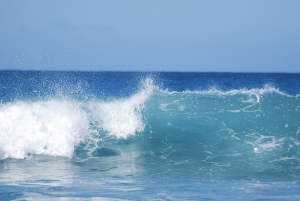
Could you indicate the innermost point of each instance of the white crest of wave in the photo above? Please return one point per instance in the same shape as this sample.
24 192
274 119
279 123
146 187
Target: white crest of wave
43 127
256 92
55 127
123 117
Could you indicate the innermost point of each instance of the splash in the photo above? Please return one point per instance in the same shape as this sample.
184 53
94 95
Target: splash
123 117
54 127
45 127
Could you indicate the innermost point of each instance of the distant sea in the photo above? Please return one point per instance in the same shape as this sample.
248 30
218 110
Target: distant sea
149 136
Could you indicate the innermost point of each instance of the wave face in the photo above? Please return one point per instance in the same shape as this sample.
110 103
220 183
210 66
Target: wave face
236 126
238 133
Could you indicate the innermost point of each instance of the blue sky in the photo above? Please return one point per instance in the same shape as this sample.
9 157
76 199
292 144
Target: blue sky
166 35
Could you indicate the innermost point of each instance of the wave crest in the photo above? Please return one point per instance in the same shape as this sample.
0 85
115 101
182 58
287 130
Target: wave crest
44 127
55 127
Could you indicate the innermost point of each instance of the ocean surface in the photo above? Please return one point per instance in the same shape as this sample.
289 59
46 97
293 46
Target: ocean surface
149 136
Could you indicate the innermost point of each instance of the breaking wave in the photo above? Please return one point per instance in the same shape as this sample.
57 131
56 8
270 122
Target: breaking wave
210 123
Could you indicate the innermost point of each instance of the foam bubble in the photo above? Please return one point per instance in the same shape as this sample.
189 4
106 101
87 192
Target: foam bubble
267 143
44 127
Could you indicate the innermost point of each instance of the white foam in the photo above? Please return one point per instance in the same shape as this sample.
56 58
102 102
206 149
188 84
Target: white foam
123 117
214 91
44 127
55 127
266 143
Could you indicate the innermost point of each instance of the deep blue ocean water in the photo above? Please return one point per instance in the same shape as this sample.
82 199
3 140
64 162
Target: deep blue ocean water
149 136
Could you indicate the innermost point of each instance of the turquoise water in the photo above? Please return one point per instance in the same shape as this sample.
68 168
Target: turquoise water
149 136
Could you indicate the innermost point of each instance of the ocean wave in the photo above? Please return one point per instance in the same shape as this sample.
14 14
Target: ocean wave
54 127
58 125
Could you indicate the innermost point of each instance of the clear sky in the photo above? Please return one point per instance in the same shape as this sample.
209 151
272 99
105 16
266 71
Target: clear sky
157 35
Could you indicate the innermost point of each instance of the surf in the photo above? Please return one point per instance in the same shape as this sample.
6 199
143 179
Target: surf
56 125
244 130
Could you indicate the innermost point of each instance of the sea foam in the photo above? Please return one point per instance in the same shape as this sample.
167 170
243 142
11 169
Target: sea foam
50 127
54 127
123 117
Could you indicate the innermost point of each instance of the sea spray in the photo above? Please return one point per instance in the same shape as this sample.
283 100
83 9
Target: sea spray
54 127
50 127
122 117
